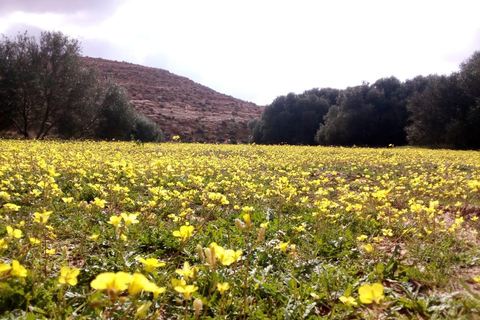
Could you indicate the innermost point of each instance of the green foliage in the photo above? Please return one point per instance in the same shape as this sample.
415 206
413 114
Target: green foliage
45 89
435 111
373 115
293 119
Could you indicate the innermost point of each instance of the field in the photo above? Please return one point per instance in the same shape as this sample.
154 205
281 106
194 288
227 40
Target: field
165 231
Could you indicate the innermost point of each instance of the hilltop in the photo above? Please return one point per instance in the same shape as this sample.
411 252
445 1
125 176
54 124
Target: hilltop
179 105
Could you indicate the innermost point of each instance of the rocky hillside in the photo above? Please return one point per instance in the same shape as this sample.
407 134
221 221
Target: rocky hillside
181 106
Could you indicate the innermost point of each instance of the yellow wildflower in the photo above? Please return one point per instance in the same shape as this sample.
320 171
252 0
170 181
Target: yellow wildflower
94 237
141 312
18 269
283 246
115 221
4 267
362 238
150 263
184 233
11 207
187 272
68 275
112 282
140 282
129 219
348 301
99 202
368 248
13 233
222 287
42 218
371 293
186 290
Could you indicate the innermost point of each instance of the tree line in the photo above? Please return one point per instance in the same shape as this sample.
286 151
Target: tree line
434 111
47 90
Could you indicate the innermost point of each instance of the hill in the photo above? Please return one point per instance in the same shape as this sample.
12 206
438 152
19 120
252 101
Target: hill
179 105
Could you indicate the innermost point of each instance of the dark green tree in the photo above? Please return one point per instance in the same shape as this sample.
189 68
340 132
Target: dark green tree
439 113
373 115
46 89
294 118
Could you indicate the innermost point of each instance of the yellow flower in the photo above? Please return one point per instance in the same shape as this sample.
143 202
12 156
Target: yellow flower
42 217
67 200
222 287
368 248
13 233
18 269
348 301
246 218
68 275
115 221
300 228
11 207
3 244
4 267
264 225
387 232
156 291
50 251
150 264
94 237
476 279
99 202
139 283
187 291
362 238
187 272
283 246
184 233
112 282
129 218
34 241
178 282
371 293
142 310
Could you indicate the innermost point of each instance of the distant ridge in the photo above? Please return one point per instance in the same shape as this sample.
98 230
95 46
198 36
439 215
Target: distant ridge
179 105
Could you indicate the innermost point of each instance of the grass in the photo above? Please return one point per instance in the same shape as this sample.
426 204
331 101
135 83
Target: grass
267 231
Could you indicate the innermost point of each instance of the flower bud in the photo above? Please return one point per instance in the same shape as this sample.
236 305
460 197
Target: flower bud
261 234
239 224
200 252
210 253
197 305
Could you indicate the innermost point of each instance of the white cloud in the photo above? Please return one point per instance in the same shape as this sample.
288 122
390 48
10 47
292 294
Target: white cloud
257 50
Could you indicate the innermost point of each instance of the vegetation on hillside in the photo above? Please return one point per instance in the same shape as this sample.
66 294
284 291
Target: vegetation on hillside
121 230
435 111
46 90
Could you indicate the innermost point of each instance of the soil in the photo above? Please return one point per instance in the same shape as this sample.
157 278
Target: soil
179 105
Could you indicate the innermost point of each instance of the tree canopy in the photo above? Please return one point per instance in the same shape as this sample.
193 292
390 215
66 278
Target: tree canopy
46 89
435 111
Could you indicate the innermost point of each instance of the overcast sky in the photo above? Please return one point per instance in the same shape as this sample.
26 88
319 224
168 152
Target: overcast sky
258 50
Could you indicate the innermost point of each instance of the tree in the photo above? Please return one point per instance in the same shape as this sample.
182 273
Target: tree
45 88
42 82
294 118
373 115
439 113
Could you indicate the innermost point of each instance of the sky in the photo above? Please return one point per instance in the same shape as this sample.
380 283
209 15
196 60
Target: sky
256 50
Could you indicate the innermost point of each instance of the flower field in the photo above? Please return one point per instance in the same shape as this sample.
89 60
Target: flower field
184 231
